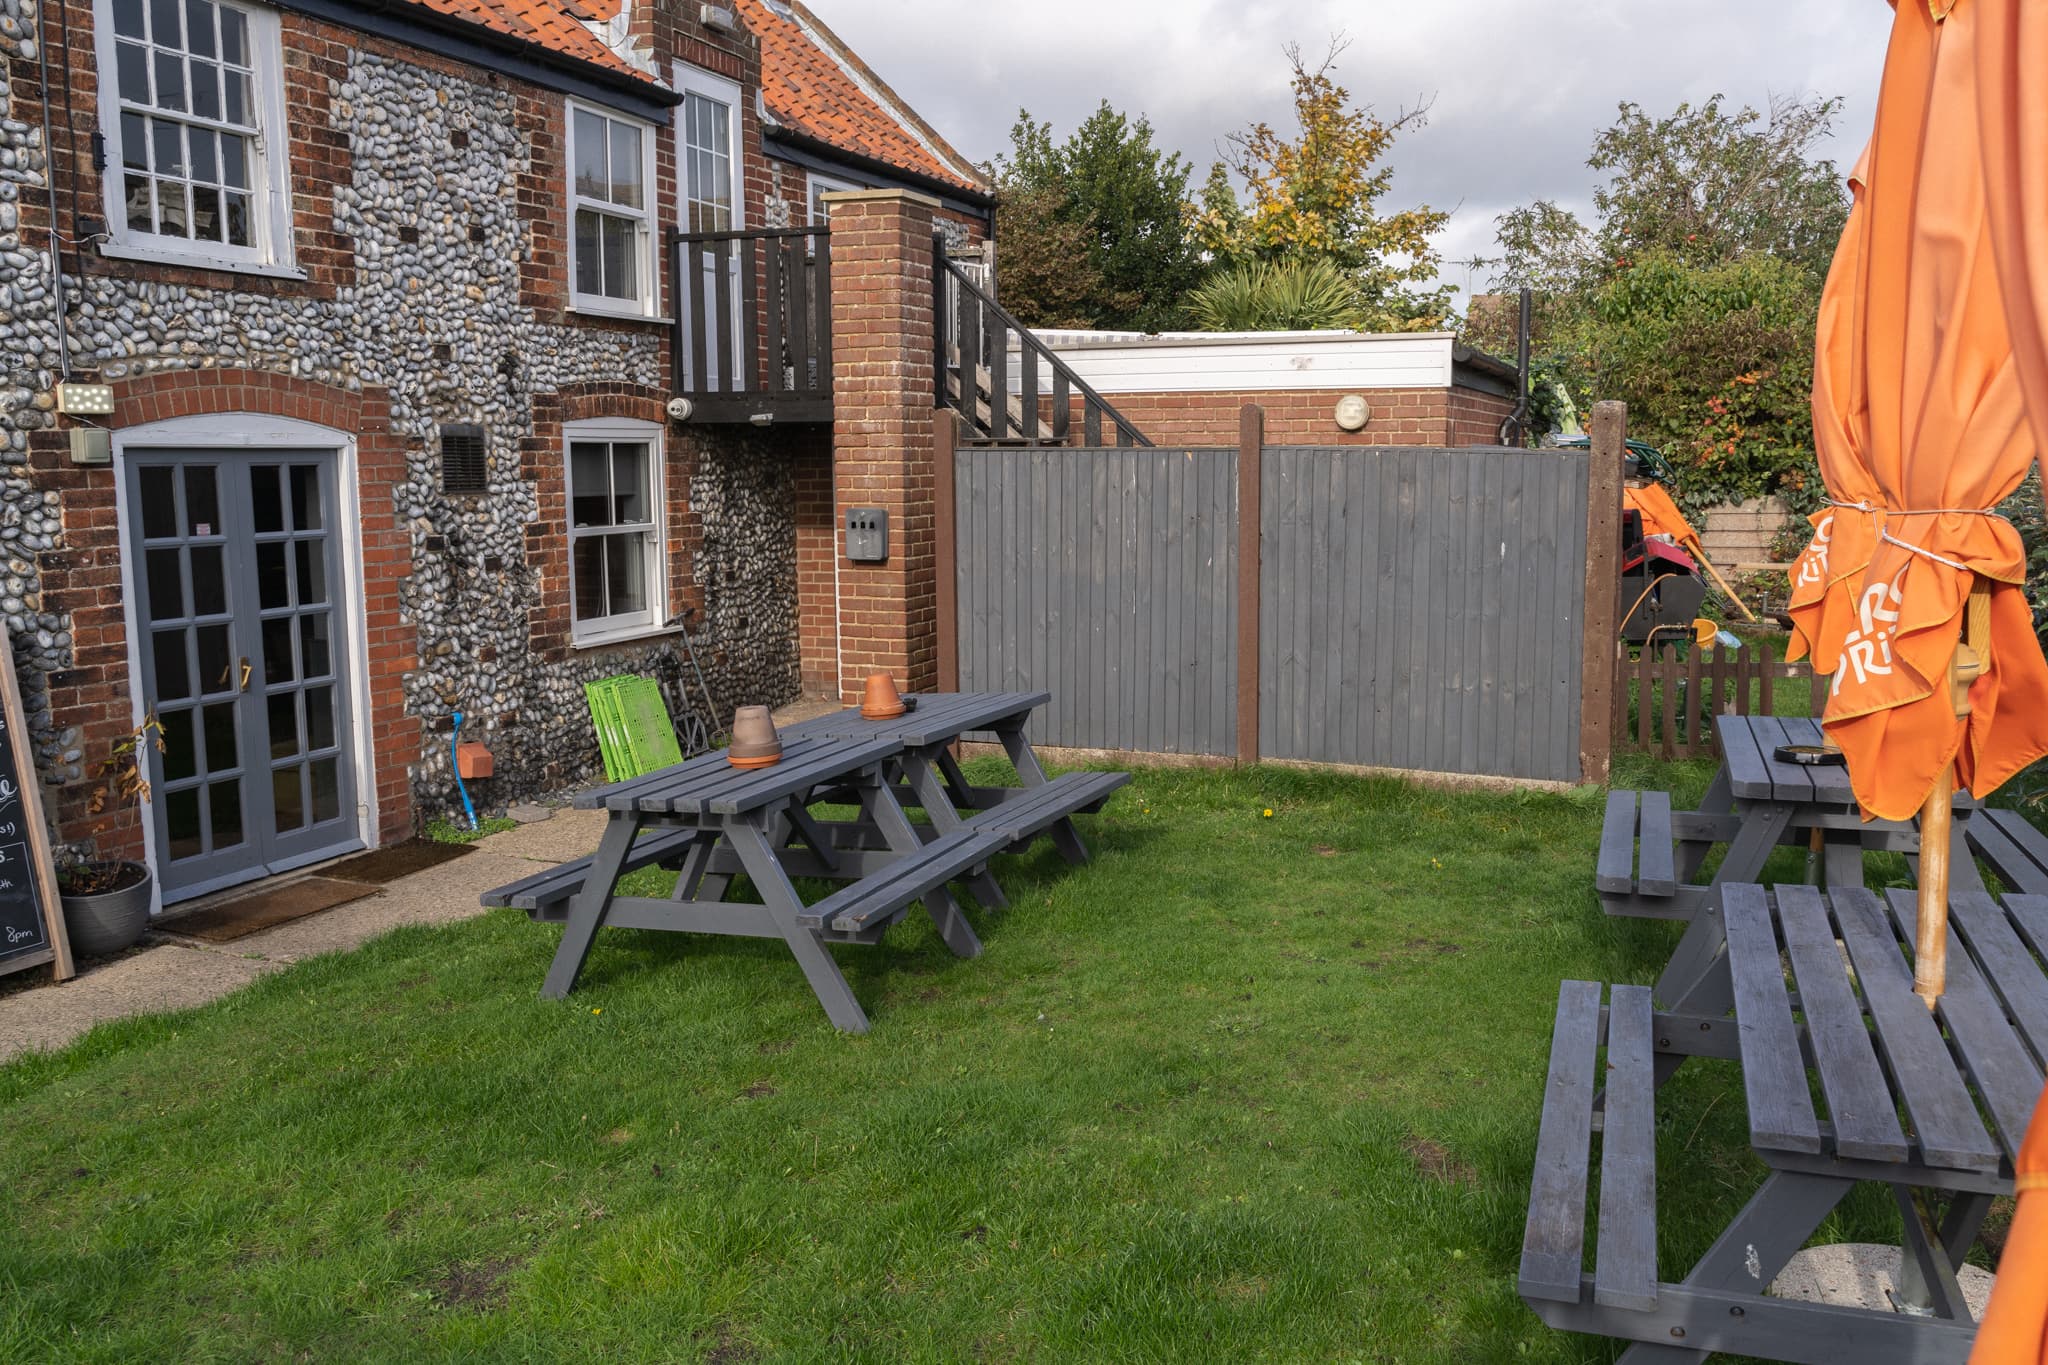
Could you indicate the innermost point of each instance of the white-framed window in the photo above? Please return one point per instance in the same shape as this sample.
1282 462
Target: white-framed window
611 209
707 143
820 187
616 582
192 106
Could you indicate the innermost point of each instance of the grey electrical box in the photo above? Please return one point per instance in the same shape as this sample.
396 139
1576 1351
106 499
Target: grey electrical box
867 534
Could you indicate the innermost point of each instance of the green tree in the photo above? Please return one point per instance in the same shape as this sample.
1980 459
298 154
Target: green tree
1121 200
1317 193
1692 294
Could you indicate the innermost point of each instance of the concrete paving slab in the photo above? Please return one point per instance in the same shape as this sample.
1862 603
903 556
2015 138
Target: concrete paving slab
568 835
167 976
1863 1275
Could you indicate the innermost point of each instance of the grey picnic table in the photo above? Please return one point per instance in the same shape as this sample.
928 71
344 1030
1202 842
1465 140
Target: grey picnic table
1651 854
712 821
1848 1079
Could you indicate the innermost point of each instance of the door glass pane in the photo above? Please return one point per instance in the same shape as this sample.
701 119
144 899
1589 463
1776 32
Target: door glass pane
266 498
224 803
277 651
290 800
180 760
588 570
284 724
312 559
222 754
181 823
209 581
626 573
159 502
314 651
173 675
217 672
307 514
273 576
166 585
319 718
326 775
202 501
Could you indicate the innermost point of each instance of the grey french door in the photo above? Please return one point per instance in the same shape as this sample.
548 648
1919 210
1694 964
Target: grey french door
238 621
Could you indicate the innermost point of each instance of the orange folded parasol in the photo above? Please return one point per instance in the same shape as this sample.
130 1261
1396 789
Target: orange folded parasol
2015 1326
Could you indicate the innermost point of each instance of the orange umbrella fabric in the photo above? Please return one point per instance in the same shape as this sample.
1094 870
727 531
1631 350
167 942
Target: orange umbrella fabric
1921 430
1661 516
2015 1326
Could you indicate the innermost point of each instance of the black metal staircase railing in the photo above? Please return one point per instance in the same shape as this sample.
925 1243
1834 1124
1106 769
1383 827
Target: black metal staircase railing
973 369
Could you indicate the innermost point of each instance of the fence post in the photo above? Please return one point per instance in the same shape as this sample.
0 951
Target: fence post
1598 659
1251 443
946 547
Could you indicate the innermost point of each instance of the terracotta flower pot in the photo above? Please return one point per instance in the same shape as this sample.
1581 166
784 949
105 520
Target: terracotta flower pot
881 701
754 741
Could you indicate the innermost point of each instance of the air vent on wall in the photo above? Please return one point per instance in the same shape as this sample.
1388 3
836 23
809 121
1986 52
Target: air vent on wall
463 467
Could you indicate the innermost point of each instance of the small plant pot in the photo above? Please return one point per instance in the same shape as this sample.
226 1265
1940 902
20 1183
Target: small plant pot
880 700
102 922
754 741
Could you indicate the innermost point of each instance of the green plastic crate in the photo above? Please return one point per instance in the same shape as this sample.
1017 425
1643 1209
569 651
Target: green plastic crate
634 732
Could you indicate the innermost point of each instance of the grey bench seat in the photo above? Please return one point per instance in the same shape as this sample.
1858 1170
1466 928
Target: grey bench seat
1582 1097
545 896
878 899
1637 871
1034 809
2008 842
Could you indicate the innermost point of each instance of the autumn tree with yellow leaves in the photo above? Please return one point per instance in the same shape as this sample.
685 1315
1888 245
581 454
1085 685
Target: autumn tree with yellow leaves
1315 195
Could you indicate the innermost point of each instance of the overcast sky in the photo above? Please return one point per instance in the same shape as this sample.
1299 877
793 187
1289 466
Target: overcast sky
1520 88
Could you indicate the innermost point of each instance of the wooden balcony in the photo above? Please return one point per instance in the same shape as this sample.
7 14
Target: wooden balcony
753 331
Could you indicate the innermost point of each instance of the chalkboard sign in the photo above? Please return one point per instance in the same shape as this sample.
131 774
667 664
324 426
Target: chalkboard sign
31 919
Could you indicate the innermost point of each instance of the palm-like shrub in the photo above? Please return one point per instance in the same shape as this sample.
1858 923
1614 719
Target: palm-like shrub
1302 294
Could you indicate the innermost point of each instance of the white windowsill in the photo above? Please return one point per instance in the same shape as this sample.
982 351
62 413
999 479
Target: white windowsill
198 260
615 312
624 636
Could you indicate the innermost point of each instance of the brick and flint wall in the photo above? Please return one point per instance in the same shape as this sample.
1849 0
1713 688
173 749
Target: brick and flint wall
428 221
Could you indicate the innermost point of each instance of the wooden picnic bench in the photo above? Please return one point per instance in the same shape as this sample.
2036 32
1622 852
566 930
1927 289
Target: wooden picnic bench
1842 1024
712 821
2013 848
1650 854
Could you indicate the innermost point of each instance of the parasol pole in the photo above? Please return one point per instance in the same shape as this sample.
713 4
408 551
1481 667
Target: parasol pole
1930 949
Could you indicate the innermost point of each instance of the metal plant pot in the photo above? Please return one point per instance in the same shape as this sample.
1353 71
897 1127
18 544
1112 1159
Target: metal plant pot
108 921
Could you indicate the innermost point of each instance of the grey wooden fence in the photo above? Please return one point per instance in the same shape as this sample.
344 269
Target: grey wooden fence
1415 607
1106 576
1420 608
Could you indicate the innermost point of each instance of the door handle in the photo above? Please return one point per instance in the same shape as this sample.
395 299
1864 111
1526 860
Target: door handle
246 671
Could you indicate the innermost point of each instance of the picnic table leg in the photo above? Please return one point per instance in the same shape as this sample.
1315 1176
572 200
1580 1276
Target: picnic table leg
782 905
1762 827
588 909
1691 853
1065 837
938 804
1930 1253
956 781
1779 1218
1842 860
695 881
880 800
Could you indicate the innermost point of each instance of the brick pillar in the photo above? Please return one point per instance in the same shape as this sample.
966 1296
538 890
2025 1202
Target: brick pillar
882 432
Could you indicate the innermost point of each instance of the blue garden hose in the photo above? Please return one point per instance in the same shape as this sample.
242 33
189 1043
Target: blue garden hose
453 740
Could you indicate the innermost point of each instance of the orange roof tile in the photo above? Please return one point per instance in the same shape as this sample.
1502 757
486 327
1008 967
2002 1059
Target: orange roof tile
813 83
557 25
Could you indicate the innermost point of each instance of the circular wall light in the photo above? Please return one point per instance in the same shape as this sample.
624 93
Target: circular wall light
1353 412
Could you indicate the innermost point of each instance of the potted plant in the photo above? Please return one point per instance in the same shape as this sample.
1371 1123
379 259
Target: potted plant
106 900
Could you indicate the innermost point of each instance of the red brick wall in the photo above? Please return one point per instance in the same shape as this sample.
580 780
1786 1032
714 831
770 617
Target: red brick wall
1400 417
882 433
817 549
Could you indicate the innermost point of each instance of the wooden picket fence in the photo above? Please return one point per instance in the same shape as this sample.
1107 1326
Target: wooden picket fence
1665 704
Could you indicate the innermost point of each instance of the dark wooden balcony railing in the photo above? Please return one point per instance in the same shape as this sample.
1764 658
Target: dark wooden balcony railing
975 379
753 330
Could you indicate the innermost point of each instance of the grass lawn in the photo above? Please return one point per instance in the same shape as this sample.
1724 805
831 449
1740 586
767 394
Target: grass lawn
1247 1087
